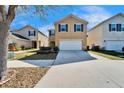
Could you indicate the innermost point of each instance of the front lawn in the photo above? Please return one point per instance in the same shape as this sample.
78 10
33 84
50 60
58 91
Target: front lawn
109 54
25 77
32 55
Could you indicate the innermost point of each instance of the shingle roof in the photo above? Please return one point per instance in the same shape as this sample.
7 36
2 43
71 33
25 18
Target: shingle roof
19 36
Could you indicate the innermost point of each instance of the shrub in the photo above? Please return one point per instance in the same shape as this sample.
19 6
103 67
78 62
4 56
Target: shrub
45 48
95 48
22 47
28 48
123 49
56 49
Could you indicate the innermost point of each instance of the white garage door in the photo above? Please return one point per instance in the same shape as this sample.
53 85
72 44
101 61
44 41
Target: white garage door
114 45
70 45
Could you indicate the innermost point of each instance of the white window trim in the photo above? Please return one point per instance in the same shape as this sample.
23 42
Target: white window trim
80 25
32 31
115 27
121 27
63 24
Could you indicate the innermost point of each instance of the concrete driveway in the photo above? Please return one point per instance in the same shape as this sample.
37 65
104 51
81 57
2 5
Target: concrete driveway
97 73
66 57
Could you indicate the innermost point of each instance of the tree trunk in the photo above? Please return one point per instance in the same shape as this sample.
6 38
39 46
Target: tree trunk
3 49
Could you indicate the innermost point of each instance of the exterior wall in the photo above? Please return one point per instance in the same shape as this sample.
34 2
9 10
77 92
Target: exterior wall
51 39
19 42
24 32
39 38
95 37
101 33
113 35
71 34
43 40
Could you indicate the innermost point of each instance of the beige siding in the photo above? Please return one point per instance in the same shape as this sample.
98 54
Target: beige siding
71 34
19 42
24 32
43 40
95 37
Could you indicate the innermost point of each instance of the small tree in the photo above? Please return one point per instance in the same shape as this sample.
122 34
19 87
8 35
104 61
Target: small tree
7 14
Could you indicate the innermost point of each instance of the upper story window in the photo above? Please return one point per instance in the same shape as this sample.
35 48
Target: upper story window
51 32
116 27
78 27
63 27
112 27
122 27
31 33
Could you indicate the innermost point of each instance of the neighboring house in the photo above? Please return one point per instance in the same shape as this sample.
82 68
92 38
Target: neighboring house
36 37
51 37
70 33
19 40
109 34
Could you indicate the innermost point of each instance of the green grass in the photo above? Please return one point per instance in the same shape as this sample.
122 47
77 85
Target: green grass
109 54
32 55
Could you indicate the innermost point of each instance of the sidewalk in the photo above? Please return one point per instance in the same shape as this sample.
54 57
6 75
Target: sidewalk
30 63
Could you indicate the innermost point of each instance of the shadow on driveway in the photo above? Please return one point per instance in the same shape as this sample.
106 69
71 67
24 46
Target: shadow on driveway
63 57
66 57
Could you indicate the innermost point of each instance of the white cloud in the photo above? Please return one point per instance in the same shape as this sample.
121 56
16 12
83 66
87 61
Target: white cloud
95 15
45 28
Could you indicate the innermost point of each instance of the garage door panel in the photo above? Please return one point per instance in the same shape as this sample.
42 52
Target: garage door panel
114 45
70 45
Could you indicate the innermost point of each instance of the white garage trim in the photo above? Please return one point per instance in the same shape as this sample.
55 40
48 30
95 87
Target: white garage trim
114 44
72 44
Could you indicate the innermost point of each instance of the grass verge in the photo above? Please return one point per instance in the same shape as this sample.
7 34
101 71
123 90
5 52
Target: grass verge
32 55
108 54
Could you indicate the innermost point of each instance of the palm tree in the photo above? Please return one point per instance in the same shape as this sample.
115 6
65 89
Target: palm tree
7 14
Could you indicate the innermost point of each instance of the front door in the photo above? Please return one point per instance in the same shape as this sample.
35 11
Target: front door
34 44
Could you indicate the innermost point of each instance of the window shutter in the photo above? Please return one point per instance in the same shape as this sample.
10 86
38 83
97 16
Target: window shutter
118 27
59 26
66 27
50 33
29 33
110 27
82 27
34 33
74 27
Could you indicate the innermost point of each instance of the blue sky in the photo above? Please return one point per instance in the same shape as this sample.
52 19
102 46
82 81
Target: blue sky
92 14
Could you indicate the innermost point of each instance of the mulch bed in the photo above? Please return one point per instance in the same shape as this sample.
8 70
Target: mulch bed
25 77
9 75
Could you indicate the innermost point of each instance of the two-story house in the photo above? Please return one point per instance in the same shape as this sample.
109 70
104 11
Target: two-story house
70 33
51 37
36 37
109 34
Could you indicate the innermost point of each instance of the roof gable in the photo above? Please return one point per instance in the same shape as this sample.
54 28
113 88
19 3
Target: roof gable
119 14
73 16
31 28
19 36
